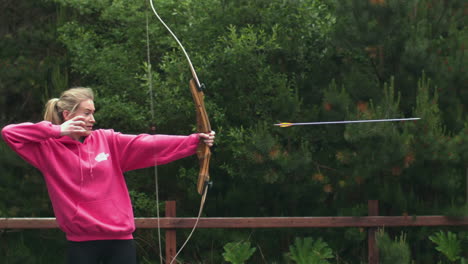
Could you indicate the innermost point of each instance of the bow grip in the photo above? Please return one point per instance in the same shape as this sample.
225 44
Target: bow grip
203 126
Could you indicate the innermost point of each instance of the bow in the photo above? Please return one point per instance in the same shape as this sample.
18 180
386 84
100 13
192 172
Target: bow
203 123
203 126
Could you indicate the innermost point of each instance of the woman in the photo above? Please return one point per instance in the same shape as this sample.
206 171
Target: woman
83 171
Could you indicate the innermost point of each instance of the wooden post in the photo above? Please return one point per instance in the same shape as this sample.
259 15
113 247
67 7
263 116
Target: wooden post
171 239
373 250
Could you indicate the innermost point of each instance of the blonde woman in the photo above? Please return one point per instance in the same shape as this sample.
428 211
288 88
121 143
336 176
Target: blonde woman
83 170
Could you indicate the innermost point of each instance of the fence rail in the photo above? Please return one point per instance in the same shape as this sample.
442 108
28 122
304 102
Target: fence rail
257 222
172 223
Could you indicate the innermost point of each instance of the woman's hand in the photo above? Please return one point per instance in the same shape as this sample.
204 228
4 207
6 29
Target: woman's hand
74 127
208 139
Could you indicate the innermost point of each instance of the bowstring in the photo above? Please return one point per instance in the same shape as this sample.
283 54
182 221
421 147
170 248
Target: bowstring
156 178
202 204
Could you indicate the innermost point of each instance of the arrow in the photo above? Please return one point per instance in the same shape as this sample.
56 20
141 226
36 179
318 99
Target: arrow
284 124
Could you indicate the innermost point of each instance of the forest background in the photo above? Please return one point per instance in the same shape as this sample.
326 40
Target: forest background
263 61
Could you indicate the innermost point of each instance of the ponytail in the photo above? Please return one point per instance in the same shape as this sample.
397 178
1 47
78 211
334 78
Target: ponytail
69 100
51 112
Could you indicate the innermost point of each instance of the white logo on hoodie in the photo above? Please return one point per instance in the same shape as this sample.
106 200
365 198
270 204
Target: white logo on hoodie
101 157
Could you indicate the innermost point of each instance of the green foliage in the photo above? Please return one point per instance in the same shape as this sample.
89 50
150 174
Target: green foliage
238 252
393 251
310 251
429 31
448 244
143 205
21 246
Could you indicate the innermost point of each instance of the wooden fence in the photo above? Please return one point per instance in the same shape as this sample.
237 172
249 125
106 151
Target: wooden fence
171 223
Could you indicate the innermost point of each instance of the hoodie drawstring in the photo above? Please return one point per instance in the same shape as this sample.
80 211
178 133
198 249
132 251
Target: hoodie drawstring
81 166
89 162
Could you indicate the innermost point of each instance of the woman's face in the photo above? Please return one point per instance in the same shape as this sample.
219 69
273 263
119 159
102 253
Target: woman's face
86 110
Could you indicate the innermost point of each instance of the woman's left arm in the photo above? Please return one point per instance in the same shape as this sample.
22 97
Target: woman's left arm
142 151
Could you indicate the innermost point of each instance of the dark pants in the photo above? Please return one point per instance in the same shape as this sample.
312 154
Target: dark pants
102 252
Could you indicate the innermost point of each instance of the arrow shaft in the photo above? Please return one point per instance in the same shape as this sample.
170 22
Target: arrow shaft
350 121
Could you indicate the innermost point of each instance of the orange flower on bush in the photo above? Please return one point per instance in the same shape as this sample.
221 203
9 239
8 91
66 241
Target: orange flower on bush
362 106
409 159
396 171
318 177
327 106
328 188
274 153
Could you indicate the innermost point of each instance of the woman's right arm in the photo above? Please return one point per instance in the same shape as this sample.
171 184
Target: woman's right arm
17 135
25 139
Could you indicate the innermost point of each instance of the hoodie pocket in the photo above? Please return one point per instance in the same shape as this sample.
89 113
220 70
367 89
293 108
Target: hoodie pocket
100 218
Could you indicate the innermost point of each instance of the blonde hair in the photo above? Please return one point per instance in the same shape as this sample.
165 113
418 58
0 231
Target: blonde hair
69 100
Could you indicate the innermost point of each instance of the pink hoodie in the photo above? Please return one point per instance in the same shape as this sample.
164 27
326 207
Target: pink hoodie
85 180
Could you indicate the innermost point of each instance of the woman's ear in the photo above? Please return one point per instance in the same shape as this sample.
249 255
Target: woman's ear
66 115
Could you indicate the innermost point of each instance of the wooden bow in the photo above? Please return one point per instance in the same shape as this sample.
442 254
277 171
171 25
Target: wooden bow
203 126
203 123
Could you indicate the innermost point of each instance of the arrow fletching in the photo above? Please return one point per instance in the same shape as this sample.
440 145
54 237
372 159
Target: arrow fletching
284 124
